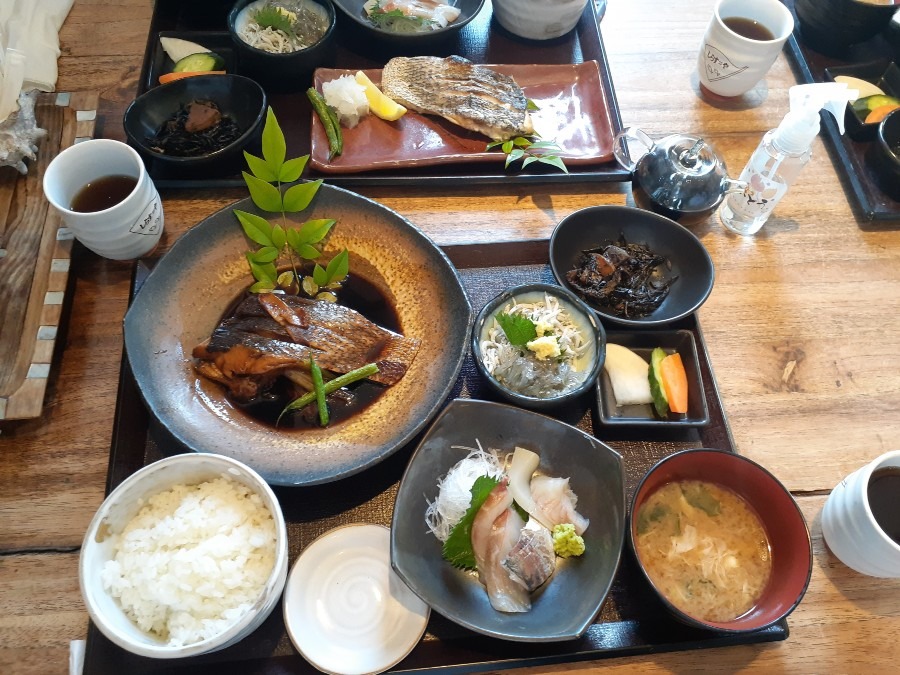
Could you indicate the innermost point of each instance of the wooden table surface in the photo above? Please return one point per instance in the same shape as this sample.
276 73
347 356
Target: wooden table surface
802 329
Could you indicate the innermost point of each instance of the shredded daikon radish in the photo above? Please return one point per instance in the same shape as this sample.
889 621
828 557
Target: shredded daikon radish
455 489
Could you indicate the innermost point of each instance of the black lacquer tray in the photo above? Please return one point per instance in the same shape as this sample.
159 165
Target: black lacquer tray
851 158
632 621
482 41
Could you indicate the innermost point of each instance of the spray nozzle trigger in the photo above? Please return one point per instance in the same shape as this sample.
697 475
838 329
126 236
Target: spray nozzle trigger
830 96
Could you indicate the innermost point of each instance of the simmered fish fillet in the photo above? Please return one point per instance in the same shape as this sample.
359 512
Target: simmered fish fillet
268 335
474 97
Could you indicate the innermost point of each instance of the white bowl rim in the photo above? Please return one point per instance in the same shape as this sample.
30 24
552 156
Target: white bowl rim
162 651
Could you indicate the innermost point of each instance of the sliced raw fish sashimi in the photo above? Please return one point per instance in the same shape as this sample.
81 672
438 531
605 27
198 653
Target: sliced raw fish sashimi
495 532
557 502
532 560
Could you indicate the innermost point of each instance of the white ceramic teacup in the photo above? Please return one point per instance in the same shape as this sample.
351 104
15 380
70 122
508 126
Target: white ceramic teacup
850 528
730 64
129 229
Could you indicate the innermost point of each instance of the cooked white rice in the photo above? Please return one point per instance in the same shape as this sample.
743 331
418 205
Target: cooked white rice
193 560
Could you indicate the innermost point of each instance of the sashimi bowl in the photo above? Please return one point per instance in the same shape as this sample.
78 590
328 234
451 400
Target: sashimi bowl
377 19
401 281
186 556
561 607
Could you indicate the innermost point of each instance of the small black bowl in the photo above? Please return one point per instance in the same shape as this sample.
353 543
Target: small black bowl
886 155
238 97
831 26
420 42
283 72
599 225
580 314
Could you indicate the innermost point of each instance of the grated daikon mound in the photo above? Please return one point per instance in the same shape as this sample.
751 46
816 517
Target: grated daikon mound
348 98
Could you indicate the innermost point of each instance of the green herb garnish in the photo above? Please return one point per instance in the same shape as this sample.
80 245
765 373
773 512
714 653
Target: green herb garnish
277 241
270 16
519 329
457 549
529 149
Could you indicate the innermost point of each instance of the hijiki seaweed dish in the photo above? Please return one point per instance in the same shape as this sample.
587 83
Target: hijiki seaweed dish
197 128
624 278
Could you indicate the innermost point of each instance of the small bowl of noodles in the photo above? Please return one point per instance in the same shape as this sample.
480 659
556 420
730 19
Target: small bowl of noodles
280 43
720 540
538 345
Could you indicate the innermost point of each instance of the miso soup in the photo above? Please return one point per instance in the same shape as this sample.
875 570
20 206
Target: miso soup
704 549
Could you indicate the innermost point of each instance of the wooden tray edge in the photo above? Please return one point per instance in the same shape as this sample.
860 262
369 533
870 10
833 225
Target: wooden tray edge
48 289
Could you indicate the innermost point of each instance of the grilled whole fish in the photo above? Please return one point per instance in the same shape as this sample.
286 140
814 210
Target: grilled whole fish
474 97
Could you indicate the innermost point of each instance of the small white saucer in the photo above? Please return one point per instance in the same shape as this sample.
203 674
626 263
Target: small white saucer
345 609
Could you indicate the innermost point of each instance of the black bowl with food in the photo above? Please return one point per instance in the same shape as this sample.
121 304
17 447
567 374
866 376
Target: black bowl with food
279 47
538 345
885 155
197 126
378 20
632 267
720 540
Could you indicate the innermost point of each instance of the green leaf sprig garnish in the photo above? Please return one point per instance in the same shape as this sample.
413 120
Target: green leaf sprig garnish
457 550
530 149
519 329
270 16
279 241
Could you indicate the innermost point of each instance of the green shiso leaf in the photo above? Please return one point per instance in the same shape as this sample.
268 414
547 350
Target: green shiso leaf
519 329
457 549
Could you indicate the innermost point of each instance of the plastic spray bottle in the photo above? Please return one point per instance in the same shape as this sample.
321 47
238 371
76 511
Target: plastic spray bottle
782 153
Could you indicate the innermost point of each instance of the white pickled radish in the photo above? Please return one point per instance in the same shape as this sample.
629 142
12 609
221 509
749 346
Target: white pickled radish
521 469
628 374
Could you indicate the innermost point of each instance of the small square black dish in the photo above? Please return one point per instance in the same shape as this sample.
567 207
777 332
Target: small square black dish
883 74
642 415
215 41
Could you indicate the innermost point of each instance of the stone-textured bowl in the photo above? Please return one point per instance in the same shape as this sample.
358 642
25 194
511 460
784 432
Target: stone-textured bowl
565 606
193 285
598 225
784 524
283 72
123 504
580 314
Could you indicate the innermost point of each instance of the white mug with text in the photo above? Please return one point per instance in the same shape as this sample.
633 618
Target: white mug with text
119 226
741 43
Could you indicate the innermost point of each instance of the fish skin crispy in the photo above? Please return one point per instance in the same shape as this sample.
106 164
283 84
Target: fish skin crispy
474 97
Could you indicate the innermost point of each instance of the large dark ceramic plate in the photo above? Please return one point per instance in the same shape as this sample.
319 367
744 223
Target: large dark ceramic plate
690 264
565 606
572 111
191 287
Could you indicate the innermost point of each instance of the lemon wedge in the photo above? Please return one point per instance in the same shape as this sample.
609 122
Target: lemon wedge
384 107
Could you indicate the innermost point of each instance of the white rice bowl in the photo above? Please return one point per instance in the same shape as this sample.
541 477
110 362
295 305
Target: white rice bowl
186 556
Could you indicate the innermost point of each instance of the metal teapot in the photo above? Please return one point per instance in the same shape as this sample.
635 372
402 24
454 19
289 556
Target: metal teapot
679 176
